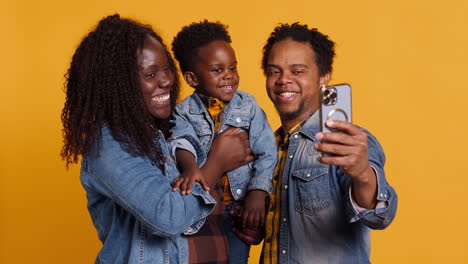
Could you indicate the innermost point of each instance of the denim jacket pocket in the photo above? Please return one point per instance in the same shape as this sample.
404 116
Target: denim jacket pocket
241 120
203 132
312 189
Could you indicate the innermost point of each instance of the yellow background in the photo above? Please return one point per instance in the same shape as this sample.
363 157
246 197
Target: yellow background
406 61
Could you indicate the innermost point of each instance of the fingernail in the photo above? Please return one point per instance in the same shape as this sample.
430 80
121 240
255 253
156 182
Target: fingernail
316 146
319 136
330 123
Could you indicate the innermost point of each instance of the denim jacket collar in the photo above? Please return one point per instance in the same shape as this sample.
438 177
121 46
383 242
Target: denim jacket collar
197 106
311 126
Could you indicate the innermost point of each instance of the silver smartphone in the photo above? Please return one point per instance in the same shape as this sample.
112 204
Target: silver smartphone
335 104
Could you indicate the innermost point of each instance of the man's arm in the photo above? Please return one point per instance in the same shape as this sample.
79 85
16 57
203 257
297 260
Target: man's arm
361 158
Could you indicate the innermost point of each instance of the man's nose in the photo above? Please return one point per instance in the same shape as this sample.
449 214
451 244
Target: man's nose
284 78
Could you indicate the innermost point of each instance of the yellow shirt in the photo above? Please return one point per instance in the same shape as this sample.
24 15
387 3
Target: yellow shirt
272 221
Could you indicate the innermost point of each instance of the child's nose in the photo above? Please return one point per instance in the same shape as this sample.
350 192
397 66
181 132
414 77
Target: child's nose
228 76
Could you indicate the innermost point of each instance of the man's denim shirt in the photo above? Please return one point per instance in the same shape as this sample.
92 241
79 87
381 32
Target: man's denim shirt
318 221
138 218
193 123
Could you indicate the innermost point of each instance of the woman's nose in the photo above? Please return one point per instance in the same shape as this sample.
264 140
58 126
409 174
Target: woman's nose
166 80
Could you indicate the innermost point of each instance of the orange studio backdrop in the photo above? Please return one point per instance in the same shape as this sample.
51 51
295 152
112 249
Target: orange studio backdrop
406 62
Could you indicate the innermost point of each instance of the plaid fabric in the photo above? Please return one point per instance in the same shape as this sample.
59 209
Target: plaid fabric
272 221
209 245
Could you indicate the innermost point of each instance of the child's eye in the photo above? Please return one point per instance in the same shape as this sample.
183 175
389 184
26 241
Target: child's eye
218 70
233 68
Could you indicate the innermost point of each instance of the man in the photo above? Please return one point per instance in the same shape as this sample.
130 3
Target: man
322 207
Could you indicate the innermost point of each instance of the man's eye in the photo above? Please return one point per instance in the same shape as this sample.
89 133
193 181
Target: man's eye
273 72
150 75
298 72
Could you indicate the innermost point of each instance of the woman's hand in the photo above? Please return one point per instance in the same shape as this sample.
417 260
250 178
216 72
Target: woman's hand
229 151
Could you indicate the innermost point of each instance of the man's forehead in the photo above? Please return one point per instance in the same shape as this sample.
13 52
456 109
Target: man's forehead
291 53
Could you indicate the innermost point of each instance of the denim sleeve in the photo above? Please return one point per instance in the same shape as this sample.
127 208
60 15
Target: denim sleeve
183 129
263 145
182 143
144 191
381 216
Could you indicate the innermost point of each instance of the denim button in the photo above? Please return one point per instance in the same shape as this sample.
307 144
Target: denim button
285 219
291 156
286 186
189 230
238 119
284 252
308 175
238 191
296 136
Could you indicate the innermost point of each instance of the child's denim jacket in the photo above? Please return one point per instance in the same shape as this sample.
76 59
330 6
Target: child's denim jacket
193 123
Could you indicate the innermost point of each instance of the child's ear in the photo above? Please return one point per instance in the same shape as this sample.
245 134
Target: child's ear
191 78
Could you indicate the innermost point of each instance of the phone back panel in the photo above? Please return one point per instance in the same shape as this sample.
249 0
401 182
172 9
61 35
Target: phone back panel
335 104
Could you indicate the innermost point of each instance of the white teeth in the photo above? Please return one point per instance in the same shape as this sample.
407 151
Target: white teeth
287 94
161 98
227 87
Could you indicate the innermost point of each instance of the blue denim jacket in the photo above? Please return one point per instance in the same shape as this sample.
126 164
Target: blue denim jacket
137 216
318 222
193 122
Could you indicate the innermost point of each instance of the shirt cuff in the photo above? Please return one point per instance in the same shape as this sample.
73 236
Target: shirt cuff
182 143
357 209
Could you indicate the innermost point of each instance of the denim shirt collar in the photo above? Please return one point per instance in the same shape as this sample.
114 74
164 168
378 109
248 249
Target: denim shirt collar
310 127
197 106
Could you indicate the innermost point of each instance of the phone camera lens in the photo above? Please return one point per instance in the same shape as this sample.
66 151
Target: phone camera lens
333 96
326 100
326 93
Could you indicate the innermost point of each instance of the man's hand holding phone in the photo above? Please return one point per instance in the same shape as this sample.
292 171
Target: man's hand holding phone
348 149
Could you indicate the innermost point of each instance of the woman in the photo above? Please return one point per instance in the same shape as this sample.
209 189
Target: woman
121 88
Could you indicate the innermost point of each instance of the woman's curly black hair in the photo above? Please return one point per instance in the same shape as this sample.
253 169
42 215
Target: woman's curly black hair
103 89
323 47
191 38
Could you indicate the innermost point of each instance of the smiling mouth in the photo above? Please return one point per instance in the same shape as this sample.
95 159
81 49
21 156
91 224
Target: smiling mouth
159 99
227 88
287 94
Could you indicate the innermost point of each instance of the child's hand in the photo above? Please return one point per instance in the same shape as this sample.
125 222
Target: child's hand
251 236
187 179
253 215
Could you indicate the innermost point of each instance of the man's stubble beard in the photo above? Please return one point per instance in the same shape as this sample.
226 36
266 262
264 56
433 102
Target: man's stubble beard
284 116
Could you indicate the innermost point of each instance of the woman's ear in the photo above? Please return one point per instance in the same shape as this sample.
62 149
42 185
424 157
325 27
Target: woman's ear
191 78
